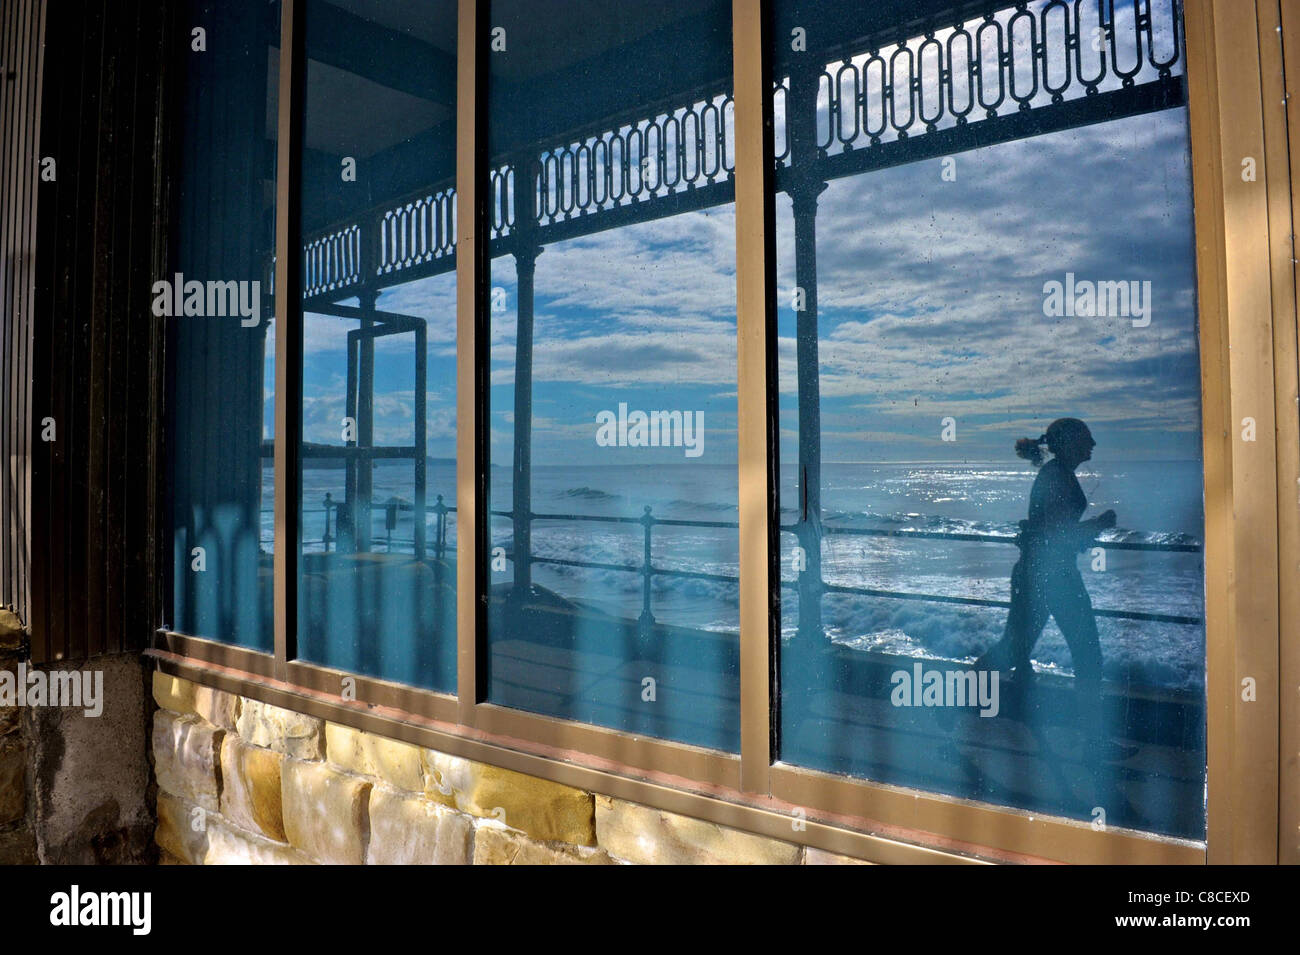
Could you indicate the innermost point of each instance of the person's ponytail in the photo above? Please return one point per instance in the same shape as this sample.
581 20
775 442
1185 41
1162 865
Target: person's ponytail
1031 449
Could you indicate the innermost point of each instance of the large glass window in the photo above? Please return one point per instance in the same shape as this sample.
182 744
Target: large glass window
991 479
989 436
612 540
377 575
219 308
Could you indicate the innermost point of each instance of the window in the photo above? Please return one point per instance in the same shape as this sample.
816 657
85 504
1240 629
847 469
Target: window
376 568
612 551
222 352
522 451
1014 621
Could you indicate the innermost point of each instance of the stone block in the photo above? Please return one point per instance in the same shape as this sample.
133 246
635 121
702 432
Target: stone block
638 833
495 845
173 693
182 831
250 788
11 630
407 829
229 846
217 707
325 812
272 727
547 811
186 761
399 764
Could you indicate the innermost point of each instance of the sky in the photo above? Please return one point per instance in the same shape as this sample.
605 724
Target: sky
930 307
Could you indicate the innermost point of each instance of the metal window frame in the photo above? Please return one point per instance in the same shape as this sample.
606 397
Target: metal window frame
1247 310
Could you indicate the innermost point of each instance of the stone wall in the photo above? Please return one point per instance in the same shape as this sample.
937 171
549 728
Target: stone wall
240 781
17 841
75 789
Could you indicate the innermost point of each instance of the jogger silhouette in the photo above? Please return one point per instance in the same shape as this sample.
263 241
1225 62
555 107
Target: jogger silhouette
1045 581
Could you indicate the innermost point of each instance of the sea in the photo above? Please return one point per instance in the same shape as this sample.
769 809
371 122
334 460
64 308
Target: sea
1157 502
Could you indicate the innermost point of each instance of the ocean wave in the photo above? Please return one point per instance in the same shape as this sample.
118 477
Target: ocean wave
713 506
585 493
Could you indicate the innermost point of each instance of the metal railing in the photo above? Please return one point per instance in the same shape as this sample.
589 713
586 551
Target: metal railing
329 539
648 570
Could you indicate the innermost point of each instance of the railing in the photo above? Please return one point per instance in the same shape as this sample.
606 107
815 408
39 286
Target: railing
329 538
1011 59
1027 68
648 570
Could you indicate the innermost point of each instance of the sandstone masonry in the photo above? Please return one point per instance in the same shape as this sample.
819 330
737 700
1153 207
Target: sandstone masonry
242 781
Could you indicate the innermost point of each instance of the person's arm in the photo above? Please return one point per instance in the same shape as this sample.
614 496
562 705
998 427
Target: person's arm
1089 529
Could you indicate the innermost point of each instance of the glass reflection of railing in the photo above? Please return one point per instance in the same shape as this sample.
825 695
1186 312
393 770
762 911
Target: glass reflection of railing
389 509
997 539
648 570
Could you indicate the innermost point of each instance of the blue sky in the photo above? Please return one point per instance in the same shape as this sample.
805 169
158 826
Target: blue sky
930 298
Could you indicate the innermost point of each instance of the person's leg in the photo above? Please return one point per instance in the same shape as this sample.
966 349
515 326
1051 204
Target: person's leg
1070 604
1025 621
1072 608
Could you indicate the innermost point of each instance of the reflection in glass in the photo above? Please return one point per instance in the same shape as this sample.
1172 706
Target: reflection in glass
612 545
991 482
377 576
219 307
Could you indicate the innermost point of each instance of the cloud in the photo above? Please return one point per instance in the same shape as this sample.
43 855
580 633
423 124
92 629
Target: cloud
930 297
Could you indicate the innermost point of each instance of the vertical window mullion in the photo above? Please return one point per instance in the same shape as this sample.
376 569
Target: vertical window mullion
756 418
471 356
288 339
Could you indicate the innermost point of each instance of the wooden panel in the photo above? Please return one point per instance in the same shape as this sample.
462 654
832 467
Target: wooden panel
756 388
1242 626
96 347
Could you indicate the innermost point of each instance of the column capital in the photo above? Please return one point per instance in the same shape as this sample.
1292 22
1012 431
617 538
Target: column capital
803 190
526 253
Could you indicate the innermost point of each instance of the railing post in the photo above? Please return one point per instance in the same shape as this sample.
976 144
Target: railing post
647 620
328 505
526 251
440 529
804 188
421 438
365 421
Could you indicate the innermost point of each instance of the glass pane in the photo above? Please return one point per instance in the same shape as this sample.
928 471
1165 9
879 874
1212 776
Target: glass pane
612 552
991 478
222 332
377 575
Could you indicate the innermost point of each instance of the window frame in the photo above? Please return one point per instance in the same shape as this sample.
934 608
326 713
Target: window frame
1242 274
